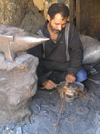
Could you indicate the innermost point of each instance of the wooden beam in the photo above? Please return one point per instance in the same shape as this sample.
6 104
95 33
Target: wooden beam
78 15
71 8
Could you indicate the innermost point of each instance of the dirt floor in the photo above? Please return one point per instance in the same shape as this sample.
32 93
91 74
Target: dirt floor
51 115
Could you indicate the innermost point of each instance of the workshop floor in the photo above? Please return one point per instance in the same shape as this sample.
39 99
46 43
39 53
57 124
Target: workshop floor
51 115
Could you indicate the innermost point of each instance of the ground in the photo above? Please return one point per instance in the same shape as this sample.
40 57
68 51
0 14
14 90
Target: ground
51 115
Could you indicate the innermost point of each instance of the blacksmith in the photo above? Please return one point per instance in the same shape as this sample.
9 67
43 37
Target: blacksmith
60 58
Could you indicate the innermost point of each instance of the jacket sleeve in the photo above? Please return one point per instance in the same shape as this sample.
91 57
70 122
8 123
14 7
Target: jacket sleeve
38 52
75 51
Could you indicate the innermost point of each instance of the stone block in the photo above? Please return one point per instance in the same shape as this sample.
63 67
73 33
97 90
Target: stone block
18 83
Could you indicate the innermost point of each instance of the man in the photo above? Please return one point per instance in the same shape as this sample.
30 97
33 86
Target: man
60 58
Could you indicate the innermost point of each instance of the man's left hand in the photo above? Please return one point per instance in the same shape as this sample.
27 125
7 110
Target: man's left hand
69 79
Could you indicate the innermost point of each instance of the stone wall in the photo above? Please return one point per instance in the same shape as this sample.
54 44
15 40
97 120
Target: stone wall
25 14
12 12
33 19
44 4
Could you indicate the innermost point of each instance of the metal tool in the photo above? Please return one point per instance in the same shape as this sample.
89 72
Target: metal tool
95 81
60 84
80 86
72 91
13 40
75 85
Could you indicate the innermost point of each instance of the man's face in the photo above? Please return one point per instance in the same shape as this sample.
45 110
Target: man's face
57 23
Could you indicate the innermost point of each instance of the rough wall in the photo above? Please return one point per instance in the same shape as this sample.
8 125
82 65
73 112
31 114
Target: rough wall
33 19
12 12
44 4
25 13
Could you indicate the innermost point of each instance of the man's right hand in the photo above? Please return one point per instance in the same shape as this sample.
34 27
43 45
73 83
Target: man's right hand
49 85
69 79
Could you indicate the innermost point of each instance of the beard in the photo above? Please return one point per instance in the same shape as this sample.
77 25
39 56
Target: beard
55 31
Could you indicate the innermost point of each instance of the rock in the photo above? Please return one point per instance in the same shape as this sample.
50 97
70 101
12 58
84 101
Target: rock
18 83
2 57
18 130
39 4
32 20
12 12
24 14
48 3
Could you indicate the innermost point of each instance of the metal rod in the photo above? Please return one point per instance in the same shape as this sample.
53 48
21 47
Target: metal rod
95 81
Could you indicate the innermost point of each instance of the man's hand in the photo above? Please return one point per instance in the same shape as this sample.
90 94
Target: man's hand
49 84
69 79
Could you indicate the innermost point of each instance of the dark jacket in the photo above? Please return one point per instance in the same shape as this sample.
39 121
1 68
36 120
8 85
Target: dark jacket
55 53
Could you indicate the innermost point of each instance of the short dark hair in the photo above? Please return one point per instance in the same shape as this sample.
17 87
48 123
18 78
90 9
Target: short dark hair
58 8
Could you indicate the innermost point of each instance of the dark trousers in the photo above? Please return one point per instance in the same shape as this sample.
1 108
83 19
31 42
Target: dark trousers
57 77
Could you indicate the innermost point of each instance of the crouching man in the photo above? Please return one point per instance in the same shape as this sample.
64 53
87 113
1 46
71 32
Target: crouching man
60 58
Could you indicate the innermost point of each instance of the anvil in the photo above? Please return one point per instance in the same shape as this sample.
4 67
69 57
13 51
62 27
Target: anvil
13 40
